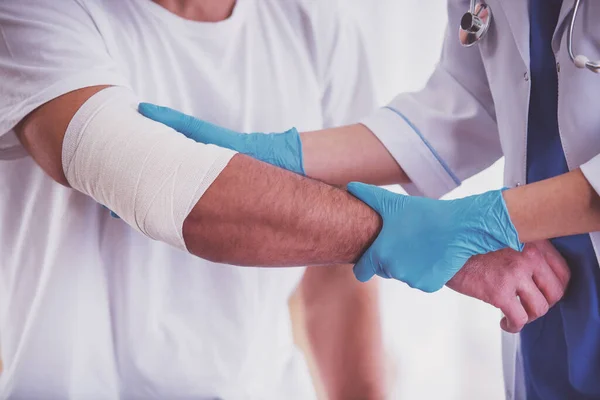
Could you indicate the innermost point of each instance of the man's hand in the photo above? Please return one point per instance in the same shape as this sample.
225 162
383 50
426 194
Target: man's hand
523 285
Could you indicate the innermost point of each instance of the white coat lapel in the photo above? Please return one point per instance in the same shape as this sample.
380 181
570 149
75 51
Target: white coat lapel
517 14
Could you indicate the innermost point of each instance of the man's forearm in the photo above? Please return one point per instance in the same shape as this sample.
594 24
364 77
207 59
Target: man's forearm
350 153
561 206
254 214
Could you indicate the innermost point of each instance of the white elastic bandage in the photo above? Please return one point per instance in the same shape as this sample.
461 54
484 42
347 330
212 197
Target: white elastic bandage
147 173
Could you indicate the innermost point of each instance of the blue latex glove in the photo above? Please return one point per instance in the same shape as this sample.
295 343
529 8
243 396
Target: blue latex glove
283 150
425 242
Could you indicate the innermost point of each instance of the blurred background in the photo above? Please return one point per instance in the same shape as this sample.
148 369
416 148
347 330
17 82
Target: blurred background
441 346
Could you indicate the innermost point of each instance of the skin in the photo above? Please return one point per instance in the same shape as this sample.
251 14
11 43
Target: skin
200 10
538 276
344 314
326 157
560 206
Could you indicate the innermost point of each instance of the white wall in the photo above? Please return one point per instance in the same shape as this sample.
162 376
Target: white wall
446 346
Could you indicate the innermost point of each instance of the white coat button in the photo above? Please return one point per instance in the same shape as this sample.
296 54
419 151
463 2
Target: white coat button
558 67
518 184
526 76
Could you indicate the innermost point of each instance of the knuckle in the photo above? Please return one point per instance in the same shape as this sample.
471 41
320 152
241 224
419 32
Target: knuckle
428 288
386 258
519 273
516 266
532 253
554 297
521 320
566 273
542 309
501 299
498 302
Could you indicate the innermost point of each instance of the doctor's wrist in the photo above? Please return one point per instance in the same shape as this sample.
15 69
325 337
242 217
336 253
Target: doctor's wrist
560 206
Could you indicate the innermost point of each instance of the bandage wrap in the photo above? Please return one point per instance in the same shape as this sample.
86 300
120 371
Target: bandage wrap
150 175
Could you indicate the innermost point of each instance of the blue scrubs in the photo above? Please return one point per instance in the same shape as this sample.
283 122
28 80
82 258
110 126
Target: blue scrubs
561 351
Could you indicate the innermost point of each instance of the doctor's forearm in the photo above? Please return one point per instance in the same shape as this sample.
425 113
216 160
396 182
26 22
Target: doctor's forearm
561 206
349 153
254 214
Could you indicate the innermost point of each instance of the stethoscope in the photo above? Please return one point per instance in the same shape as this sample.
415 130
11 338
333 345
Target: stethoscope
476 22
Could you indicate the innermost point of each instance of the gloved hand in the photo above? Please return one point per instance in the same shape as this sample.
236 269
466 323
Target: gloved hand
425 242
283 150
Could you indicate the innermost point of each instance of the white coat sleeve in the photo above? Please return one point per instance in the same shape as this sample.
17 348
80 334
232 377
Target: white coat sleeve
447 132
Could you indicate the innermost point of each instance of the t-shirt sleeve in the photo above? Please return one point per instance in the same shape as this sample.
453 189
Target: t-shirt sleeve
47 49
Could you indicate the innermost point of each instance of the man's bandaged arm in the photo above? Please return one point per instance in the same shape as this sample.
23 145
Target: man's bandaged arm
250 214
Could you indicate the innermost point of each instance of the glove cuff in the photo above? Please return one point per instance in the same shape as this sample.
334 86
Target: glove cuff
284 150
511 236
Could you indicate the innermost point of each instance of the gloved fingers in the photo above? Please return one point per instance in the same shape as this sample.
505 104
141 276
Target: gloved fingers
369 194
515 315
364 269
534 302
429 286
179 121
194 128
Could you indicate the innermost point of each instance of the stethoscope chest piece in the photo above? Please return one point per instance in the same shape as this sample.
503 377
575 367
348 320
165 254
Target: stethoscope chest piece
475 24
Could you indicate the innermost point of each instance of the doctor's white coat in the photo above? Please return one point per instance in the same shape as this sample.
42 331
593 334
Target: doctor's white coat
475 108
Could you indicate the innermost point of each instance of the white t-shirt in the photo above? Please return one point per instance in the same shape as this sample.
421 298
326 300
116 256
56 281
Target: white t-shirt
91 309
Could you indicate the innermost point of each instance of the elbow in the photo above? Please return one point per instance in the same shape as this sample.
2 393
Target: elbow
44 149
60 178
200 242
55 171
